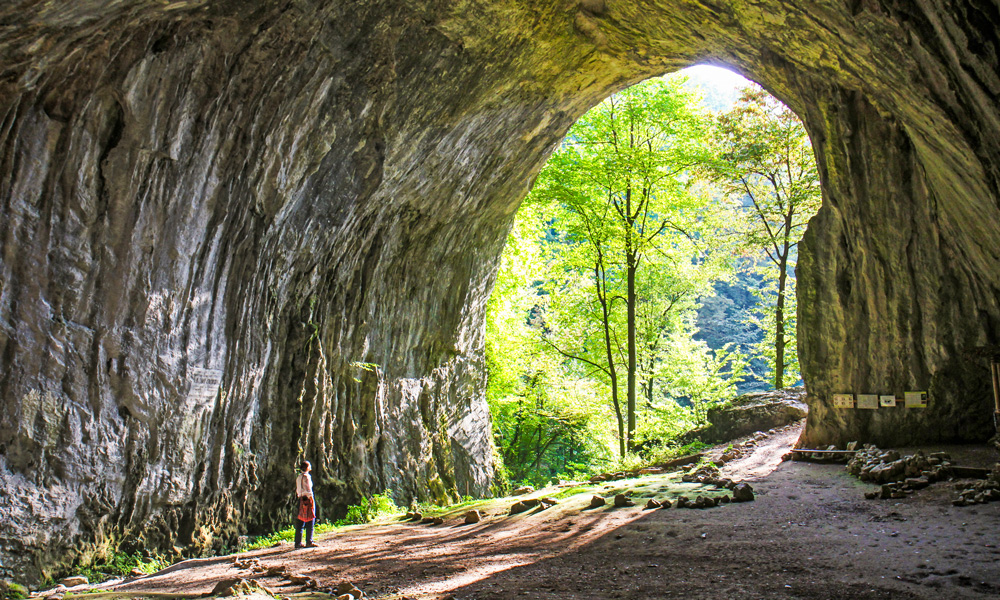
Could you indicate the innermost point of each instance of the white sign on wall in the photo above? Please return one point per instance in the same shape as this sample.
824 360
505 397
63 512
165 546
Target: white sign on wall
843 400
868 401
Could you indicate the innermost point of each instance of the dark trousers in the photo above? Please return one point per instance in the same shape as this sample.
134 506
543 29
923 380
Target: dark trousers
308 526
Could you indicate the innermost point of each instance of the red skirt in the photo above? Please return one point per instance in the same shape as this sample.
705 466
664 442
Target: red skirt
307 511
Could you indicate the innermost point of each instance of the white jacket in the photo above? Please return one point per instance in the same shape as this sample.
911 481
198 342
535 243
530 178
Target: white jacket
304 485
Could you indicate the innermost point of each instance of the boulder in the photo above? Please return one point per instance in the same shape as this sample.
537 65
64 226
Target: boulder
751 413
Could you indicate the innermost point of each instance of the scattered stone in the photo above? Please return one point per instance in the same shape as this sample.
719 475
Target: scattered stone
742 492
664 504
597 501
527 489
652 503
725 499
349 588
683 502
473 516
75 580
621 500
136 573
519 507
237 587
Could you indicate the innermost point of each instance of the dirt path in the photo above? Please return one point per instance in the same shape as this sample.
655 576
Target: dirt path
809 534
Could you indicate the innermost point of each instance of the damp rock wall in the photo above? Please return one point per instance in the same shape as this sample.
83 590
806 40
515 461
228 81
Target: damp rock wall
237 233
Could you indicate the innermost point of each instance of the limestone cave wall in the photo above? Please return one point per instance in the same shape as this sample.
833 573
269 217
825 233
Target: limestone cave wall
235 233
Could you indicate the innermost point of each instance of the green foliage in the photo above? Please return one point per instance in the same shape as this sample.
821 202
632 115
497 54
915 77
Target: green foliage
766 169
120 564
630 259
12 591
369 509
590 329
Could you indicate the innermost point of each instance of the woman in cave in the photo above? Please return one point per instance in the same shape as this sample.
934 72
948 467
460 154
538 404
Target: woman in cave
307 506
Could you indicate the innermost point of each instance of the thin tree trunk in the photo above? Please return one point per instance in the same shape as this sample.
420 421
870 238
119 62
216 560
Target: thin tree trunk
609 350
631 301
779 324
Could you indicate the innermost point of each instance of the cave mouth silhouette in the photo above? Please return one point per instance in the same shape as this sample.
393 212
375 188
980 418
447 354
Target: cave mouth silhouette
212 213
716 90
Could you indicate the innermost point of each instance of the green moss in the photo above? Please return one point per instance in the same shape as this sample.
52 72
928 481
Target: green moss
12 591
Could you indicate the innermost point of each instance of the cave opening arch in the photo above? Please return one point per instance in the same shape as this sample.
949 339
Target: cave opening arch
214 213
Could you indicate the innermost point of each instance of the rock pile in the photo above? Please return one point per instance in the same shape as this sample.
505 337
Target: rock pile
889 466
979 492
902 475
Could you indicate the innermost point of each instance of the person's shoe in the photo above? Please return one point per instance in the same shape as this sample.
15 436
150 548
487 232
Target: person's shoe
312 545
297 546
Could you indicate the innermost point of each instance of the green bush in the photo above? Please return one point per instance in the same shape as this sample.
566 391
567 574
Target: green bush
119 564
369 509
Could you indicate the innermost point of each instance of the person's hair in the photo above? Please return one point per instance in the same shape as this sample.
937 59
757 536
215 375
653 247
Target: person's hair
304 466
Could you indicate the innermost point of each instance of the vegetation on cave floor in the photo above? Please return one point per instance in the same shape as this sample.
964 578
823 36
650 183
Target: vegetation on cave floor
595 351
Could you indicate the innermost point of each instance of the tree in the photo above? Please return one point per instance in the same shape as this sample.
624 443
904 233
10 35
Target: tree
632 249
544 422
765 165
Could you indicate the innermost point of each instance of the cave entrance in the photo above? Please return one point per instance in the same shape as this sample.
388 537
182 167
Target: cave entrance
649 275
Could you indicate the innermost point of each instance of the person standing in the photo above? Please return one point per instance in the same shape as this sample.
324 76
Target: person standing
306 518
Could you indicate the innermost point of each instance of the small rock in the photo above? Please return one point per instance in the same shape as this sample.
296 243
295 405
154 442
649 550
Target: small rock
652 503
136 573
621 500
725 499
75 580
349 588
683 502
527 489
226 587
665 504
473 516
519 507
597 501
743 492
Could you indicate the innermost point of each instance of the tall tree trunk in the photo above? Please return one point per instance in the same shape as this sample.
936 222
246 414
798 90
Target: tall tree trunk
609 350
779 324
630 302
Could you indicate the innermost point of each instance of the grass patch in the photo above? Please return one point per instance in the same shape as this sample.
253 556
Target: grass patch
119 564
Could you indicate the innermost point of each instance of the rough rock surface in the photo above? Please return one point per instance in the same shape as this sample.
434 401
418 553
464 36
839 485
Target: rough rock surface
758 411
232 232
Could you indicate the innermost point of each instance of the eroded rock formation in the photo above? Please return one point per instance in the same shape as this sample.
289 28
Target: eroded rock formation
237 231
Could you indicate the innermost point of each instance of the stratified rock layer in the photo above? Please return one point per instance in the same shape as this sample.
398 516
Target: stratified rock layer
237 232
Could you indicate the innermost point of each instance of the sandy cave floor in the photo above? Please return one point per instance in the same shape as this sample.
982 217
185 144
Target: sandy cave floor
809 534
